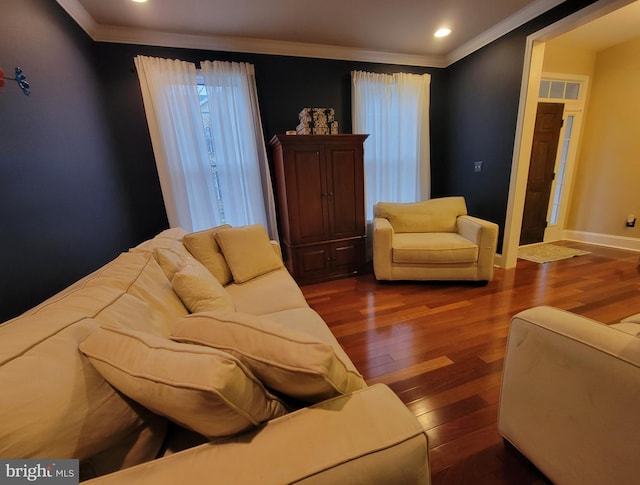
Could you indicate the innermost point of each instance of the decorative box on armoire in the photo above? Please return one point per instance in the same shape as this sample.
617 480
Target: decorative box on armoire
320 193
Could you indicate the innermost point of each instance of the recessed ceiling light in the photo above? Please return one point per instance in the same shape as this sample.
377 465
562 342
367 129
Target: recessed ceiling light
139 1
443 32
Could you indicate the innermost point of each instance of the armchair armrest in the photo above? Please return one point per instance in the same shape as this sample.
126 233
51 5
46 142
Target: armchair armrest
570 397
382 248
368 436
485 235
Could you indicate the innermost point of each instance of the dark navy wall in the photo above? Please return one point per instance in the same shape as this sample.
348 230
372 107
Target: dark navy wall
65 195
78 182
285 85
483 93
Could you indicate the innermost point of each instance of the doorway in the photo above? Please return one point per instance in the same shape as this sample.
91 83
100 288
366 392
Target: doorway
533 67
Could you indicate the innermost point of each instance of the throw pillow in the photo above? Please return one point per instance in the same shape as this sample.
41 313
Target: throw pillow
248 252
204 247
170 261
202 389
198 289
285 359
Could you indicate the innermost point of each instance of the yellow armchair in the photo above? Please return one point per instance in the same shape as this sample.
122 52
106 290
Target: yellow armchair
432 240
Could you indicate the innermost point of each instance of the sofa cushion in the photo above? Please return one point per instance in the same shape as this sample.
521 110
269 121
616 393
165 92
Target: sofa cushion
53 402
204 247
271 292
433 247
248 252
199 289
433 215
284 358
200 388
307 320
147 302
169 238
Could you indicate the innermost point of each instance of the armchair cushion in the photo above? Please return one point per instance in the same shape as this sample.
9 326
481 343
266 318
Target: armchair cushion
434 215
433 247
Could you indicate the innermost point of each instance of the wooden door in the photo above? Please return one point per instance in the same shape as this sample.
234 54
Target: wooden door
541 171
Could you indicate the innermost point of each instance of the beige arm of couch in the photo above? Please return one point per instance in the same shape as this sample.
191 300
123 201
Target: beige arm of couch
382 247
366 437
485 235
570 397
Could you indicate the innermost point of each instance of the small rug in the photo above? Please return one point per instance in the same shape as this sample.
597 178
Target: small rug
544 252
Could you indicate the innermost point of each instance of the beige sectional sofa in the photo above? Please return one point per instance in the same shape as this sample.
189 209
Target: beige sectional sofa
570 396
200 365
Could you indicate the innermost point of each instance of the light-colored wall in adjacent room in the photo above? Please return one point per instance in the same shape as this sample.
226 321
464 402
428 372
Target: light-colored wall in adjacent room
568 60
606 185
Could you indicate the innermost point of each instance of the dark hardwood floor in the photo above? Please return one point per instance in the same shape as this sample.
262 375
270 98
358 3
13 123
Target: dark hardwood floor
440 346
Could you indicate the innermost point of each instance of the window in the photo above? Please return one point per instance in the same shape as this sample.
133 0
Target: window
394 111
559 89
560 176
207 140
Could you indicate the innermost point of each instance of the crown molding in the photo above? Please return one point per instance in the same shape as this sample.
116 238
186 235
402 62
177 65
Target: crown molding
78 13
125 35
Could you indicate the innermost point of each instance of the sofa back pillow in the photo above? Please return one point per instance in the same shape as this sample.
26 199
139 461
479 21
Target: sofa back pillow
283 358
198 289
204 247
202 389
248 252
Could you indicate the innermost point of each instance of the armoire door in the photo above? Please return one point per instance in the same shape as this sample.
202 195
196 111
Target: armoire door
308 194
344 172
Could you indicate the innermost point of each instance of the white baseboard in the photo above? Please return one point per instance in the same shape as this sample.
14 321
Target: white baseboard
620 242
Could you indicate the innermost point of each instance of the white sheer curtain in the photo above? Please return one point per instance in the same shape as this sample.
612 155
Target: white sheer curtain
198 194
394 111
170 96
236 131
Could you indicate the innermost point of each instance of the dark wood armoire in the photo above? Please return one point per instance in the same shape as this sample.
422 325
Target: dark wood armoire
320 197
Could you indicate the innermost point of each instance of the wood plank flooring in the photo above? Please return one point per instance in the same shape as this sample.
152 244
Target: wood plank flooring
440 346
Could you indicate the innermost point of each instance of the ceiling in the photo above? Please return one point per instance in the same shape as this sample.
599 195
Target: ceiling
616 27
398 31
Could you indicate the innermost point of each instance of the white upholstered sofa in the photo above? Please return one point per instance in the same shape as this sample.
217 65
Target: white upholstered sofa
571 394
202 365
432 240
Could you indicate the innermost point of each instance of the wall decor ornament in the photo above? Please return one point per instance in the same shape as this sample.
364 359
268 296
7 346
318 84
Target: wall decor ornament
19 78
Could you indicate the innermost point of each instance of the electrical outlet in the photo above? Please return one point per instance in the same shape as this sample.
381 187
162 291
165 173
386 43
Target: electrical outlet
477 166
631 223
631 220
